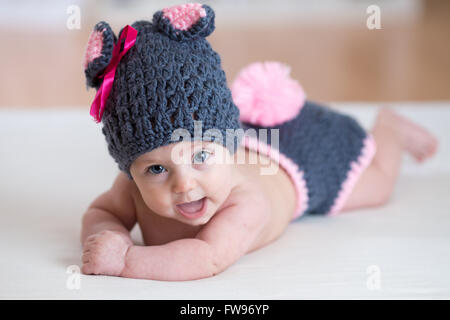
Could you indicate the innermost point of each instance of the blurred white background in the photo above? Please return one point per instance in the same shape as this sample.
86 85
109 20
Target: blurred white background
327 43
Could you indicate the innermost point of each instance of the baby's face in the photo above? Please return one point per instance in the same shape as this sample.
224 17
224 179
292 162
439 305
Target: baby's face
171 176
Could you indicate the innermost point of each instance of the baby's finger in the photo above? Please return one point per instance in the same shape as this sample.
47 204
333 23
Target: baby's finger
90 241
92 237
89 244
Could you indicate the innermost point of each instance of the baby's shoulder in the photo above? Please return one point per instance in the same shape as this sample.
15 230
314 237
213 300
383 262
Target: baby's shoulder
250 194
125 191
269 185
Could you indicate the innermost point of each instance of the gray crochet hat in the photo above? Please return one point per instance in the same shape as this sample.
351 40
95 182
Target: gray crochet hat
167 79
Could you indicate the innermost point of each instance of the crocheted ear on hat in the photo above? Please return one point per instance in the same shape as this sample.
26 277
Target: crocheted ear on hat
98 53
266 95
185 22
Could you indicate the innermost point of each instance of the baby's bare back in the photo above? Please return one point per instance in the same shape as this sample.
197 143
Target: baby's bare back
278 199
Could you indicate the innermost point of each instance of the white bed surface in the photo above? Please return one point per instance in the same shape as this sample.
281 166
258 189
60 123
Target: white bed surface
54 162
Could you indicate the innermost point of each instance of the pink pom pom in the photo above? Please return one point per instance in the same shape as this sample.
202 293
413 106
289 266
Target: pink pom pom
266 95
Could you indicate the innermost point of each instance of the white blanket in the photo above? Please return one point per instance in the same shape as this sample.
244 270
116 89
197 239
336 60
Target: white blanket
53 163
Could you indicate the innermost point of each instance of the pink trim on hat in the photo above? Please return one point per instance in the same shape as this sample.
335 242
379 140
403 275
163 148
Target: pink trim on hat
357 168
94 47
290 168
183 16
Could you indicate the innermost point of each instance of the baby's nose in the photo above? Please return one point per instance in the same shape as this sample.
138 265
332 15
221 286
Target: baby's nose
184 184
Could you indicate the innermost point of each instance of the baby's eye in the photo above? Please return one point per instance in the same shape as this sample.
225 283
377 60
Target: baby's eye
201 156
156 169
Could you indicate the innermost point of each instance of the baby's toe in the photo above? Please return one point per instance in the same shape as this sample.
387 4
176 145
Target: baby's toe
86 268
85 257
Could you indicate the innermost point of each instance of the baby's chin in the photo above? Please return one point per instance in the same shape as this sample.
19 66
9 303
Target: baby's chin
197 222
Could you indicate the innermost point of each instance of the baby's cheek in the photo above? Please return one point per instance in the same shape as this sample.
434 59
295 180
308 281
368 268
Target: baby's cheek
218 183
222 172
157 200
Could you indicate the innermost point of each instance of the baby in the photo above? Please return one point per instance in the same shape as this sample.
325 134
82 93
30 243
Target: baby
210 173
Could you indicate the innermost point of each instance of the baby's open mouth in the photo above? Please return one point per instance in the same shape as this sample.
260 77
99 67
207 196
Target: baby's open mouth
194 209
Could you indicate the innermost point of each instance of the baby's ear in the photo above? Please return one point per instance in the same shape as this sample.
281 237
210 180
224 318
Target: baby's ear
98 53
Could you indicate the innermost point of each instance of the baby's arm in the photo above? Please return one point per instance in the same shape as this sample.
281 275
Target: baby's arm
227 237
106 224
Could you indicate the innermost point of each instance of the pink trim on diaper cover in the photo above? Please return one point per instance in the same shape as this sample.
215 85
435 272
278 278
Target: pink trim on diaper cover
288 165
357 168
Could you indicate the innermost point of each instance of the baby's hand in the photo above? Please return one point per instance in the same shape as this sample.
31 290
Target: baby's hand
104 253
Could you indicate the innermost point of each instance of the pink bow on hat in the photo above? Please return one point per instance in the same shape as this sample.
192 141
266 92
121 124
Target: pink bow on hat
98 105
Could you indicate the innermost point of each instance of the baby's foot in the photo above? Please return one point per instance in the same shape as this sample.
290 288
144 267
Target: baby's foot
416 140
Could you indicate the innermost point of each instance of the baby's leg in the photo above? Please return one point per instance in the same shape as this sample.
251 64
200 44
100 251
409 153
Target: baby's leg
393 134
